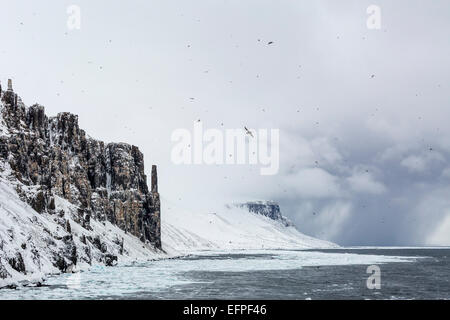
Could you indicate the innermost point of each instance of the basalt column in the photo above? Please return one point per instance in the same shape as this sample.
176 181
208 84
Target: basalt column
156 218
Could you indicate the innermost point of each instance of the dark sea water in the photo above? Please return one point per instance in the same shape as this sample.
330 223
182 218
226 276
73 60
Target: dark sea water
426 278
312 274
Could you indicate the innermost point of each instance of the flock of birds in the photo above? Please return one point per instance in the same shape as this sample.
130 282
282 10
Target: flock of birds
248 132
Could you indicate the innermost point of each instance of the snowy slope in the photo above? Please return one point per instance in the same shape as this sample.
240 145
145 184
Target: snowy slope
229 228
31 241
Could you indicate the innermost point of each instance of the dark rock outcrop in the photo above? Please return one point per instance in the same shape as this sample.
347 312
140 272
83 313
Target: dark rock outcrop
17 263
268 209
105 181
3 272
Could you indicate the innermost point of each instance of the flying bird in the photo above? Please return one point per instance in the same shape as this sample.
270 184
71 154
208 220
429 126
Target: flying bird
249 132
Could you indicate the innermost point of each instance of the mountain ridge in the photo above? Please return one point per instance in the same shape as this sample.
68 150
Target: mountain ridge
267 208
231 227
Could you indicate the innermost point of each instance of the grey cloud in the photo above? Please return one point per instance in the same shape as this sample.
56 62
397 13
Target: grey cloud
356 165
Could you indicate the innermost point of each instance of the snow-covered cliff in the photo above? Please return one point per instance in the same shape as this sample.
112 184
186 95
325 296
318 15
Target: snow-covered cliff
268 209
67 200
33 245
232 227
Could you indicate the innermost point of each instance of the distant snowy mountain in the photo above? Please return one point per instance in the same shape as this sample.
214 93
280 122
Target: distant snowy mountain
268 209
251 225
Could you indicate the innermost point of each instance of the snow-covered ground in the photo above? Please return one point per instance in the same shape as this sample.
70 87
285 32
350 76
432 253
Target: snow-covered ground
33 240
228 228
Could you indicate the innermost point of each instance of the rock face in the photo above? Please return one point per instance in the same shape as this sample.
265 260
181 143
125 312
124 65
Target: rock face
269 209
106 182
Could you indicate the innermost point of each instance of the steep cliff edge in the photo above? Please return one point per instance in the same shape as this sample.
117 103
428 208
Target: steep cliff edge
74 181
269 209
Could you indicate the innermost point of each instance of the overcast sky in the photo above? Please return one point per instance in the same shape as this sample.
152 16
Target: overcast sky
363 114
